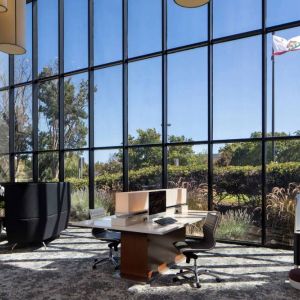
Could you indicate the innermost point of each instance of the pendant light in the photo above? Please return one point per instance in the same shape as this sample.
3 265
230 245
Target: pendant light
12 27
191 3
3 6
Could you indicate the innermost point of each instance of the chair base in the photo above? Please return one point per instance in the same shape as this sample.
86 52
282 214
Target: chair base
114 260
196 271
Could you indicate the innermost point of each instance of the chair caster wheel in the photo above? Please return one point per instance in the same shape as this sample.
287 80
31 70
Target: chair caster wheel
219 280
94 267
198 285
181 271
96 259
175 279
117 268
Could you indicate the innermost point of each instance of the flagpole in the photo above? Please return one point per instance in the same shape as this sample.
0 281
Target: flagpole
273 101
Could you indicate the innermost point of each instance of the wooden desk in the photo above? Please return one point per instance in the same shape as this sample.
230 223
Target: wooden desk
147 247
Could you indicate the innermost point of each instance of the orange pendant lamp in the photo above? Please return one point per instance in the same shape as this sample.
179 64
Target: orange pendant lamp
191 3
3 6
12 27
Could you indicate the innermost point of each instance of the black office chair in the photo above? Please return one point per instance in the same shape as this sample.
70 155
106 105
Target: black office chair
112 237
191 247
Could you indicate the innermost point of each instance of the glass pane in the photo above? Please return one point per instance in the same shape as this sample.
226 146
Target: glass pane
187 96
4 168
286 89
47 37
76 111
282 11
237 89
23 167
23 118
48 126
144 27
145 101
237 190
236 16
108 107
108 178
23 63
186 26
76 34
4 122
283 184
107 31
145 170
76 172
3 70
187 168
48 166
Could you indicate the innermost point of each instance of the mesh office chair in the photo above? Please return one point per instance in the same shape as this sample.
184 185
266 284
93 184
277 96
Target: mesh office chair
190 248
112 237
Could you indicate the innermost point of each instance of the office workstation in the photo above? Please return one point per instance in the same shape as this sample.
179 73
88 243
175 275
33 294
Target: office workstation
150 223
149 149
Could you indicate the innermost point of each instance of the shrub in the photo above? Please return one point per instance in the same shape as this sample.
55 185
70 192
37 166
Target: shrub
105 198
233 180
79 205
234 225
281 207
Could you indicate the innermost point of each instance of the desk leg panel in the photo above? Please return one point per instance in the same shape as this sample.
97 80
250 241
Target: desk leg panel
143 254
161 250
134 256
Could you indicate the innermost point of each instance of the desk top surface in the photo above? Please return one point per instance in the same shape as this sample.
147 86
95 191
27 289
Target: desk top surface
144 227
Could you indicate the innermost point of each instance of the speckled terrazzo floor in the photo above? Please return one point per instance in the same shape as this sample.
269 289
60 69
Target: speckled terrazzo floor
63 271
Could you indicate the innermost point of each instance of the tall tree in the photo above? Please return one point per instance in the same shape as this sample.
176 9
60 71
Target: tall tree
75 116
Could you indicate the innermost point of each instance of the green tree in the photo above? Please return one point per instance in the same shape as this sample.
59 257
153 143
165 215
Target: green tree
242 154
75 117
142 157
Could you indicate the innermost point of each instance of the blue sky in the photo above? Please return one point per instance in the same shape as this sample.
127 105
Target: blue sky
237 65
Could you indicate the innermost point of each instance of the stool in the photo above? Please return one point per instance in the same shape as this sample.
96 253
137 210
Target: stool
294 277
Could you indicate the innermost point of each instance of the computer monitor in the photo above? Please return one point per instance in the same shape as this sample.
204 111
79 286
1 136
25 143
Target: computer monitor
157 204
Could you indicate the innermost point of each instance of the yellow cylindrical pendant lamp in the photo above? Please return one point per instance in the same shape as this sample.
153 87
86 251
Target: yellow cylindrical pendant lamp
191 3
12 27
3 6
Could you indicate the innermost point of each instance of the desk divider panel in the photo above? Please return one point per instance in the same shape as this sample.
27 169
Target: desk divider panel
138 201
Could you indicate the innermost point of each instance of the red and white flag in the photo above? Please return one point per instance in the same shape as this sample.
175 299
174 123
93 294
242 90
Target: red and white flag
282 45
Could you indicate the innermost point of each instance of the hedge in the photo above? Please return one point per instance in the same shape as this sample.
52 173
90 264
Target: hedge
232 179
